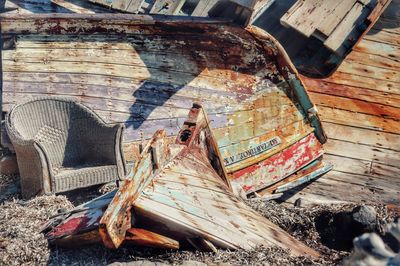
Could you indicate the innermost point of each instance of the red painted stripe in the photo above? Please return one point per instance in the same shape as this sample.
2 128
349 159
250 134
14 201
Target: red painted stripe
280 165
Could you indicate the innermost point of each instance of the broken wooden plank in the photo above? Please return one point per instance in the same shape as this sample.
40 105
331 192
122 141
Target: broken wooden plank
190 198
117 218
167 7
142 237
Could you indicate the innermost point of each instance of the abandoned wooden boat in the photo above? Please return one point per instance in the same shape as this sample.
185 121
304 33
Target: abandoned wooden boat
316 46
146 71
357 104
179 191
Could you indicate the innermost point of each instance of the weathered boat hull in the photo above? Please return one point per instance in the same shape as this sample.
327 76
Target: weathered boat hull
146 71
179 191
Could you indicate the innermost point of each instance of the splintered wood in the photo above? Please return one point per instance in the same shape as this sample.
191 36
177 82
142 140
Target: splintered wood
184 197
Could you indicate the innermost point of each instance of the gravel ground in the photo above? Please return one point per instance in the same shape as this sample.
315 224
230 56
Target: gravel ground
22 244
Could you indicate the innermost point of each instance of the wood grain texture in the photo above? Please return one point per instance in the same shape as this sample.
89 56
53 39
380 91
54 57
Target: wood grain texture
146 73
364 139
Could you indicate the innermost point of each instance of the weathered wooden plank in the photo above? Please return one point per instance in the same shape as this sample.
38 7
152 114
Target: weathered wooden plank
278 166
167 7
134 56
363 152
132 6
383 37
21 7
368 137
119 88
378 48
375 184
378 73
329 189
113 24
142 237
351 92
142 101
355 105
116 219
286 130
390 62
348 165
73 7
365 170
203 7
259 8
346 26
366 81
275 142
213 78
372 122
141 42
303 16
331 19
378 169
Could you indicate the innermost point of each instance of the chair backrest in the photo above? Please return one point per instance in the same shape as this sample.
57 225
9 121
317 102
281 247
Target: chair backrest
55 123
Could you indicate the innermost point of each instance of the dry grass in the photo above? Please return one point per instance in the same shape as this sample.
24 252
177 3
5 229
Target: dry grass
21 242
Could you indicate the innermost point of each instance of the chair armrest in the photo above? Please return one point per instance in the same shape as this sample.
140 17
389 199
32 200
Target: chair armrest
104 144
32 164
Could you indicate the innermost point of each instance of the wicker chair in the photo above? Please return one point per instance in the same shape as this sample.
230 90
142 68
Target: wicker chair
62 145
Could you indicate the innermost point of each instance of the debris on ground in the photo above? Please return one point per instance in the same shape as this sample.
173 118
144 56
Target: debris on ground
19 230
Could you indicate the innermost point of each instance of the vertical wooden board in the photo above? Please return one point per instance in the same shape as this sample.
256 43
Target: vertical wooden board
259 6
167 7
135 6
330 20
304 16
132 6
203 7
73 7
345 28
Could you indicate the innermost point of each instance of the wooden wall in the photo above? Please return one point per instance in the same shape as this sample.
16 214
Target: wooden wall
360 109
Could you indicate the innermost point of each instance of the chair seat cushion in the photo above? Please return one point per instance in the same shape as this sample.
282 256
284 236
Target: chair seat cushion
72 178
